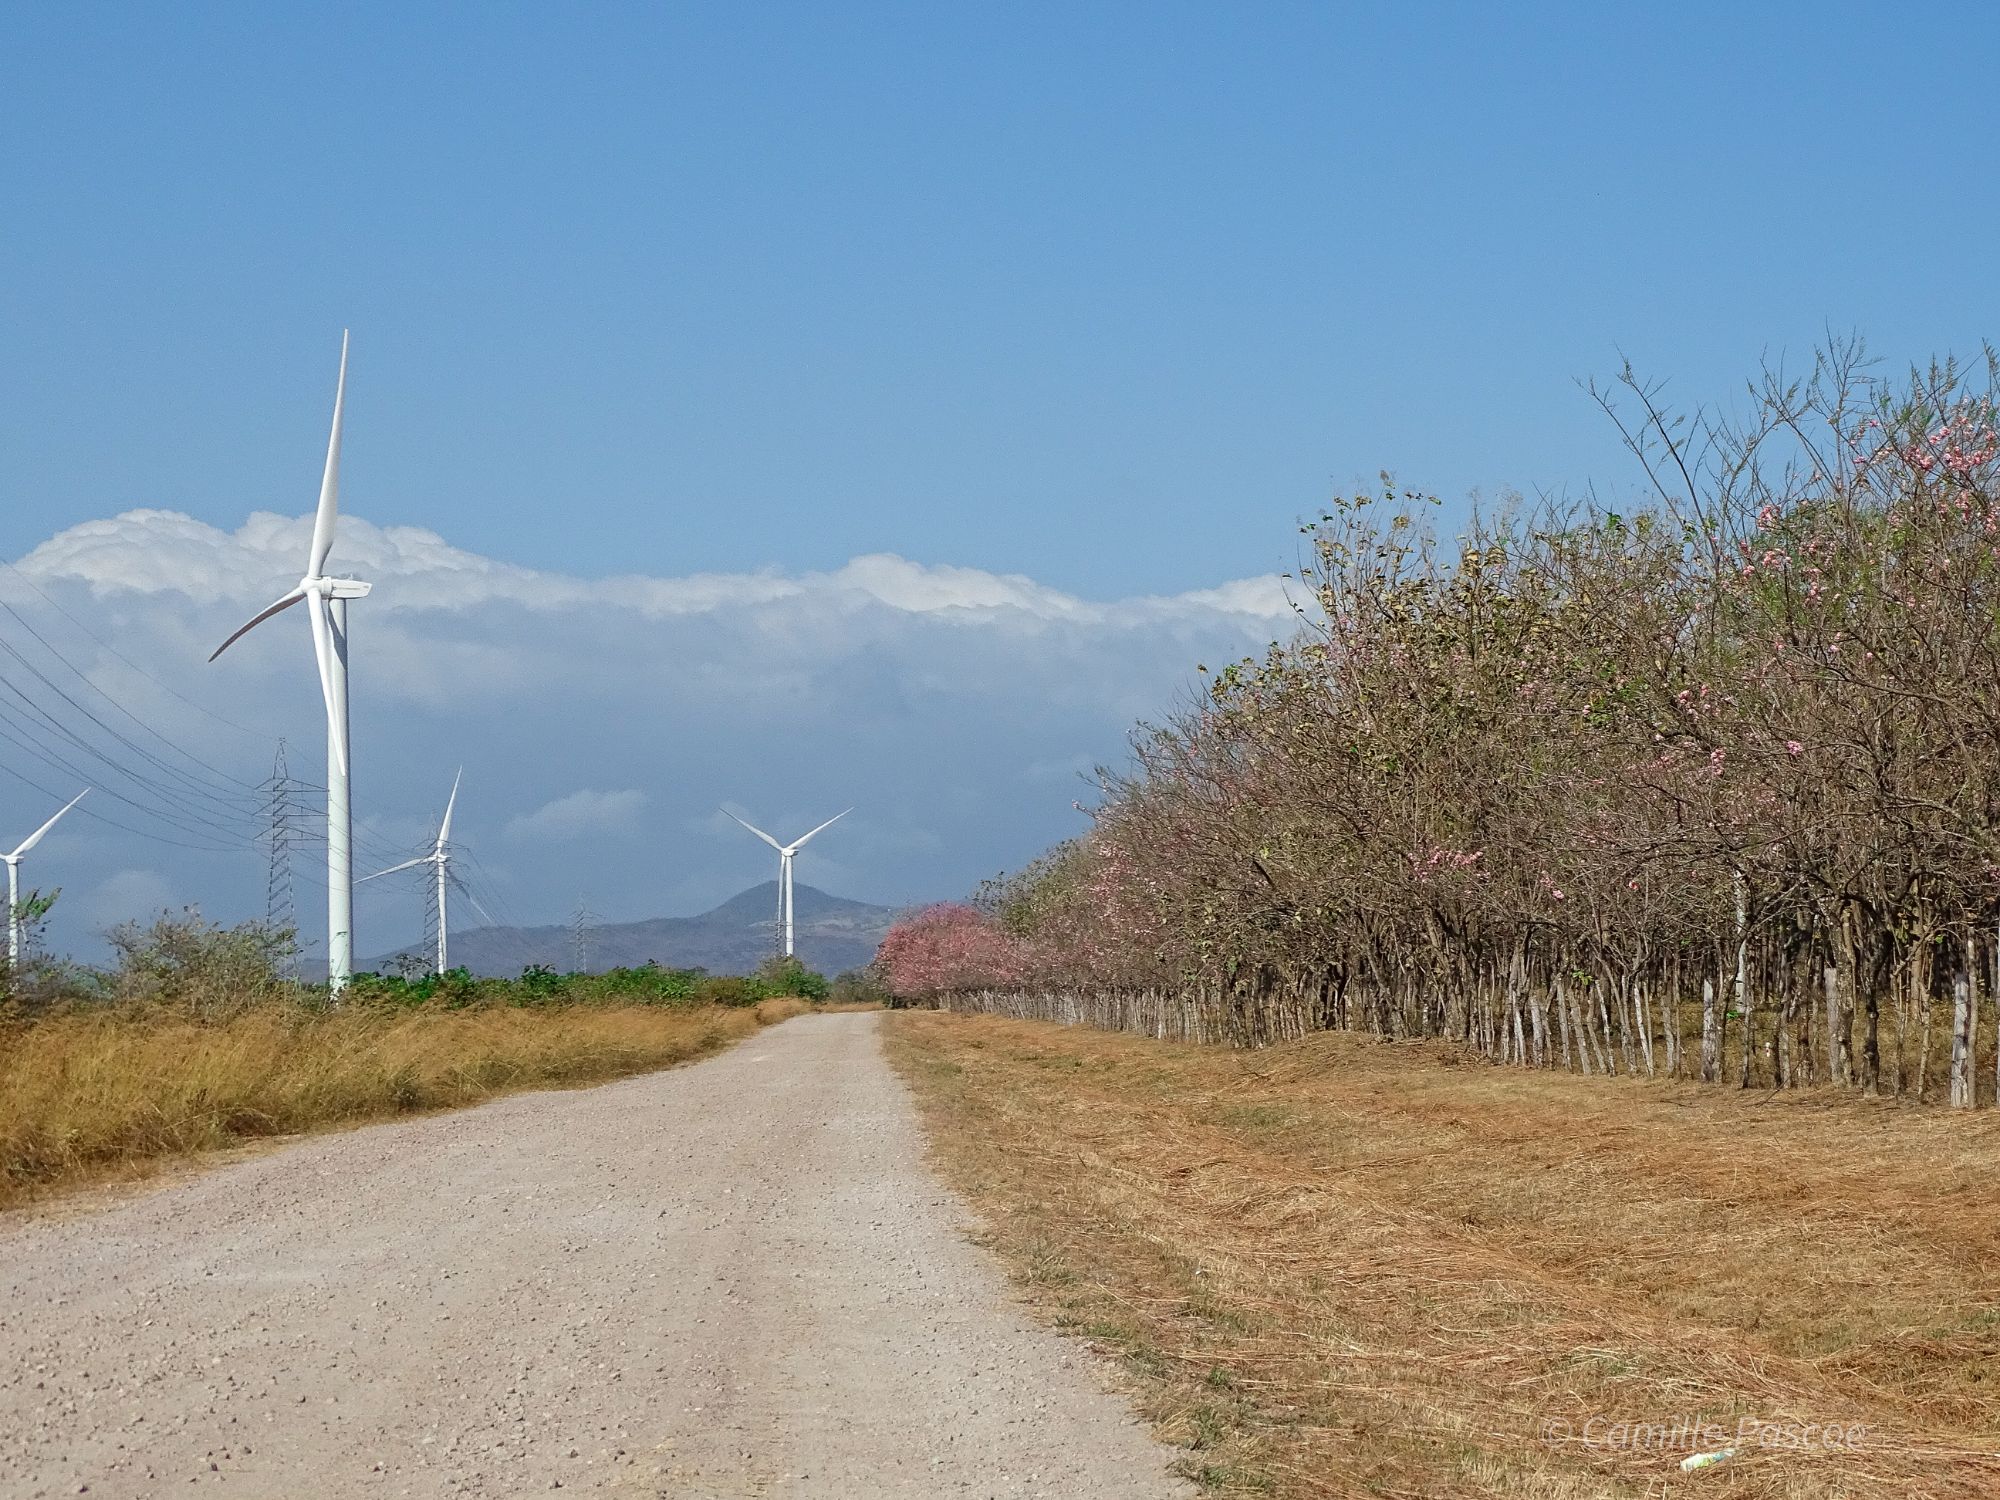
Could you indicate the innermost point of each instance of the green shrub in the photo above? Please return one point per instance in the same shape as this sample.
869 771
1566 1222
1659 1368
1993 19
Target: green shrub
787 978
727 989
648 984
214 972
199 966
540 982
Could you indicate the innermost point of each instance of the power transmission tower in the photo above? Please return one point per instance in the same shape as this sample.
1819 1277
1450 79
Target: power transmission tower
285 814
581 925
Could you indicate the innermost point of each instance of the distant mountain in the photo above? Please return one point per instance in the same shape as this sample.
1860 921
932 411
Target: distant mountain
832 934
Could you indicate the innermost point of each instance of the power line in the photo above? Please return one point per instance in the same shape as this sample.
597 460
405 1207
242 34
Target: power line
236 791
215 807
192 824
171 794
93 814
216 810
164 687
459 885
489 886
197 807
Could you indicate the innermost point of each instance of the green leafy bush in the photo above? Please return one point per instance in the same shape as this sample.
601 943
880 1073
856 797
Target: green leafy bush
787 978
211 972
199 966
727 989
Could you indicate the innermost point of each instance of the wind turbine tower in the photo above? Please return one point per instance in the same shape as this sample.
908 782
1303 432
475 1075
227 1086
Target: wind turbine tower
326 610
14 880
785 854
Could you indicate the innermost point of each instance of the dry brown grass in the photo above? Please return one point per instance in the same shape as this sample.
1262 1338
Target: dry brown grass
1344 1267
89 1097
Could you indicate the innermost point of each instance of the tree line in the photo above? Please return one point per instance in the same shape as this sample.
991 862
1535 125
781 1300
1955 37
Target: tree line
1699 784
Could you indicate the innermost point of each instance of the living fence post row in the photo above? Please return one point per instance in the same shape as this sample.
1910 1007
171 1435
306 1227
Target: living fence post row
1768 1009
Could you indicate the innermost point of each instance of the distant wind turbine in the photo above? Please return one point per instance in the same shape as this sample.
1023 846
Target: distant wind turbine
14 880
785 853
440 860
326 599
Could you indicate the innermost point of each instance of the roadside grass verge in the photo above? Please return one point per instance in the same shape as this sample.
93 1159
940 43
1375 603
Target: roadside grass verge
1343 1267
90 1096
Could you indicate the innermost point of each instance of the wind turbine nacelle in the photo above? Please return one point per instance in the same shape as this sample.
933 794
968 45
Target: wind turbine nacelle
347 588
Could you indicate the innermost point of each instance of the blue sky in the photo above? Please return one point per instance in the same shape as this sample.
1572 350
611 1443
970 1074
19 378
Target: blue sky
1107 296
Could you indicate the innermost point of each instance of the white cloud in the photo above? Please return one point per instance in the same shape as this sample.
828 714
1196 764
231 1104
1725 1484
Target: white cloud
163 551
1270 597
952 705
580 813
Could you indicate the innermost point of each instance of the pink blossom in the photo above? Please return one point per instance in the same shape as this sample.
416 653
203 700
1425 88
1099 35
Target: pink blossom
948 947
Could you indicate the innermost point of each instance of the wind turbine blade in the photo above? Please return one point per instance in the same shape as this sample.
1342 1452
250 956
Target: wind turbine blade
329 485
323 650
259 618
799 843
444 828
408 864
466 891
756 830
36 837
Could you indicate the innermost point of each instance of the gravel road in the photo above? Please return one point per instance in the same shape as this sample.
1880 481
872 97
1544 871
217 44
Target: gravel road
732 1279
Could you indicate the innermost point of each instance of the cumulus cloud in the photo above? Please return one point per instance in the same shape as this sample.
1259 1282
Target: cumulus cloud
162 551
953 706
579 814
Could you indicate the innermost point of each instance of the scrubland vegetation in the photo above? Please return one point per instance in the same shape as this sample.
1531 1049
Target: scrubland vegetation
1345 1267
1705 785
194 1040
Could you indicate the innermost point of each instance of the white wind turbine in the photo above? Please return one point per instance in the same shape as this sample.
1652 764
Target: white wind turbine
326 600
785 853
440 860
14 880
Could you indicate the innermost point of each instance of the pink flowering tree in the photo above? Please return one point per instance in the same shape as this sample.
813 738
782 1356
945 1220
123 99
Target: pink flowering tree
946 948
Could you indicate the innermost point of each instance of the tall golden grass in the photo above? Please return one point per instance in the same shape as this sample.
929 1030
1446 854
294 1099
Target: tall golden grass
1343 1267
89 1096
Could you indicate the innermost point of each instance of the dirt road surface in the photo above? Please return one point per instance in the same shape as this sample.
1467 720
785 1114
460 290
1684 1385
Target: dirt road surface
732 1279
